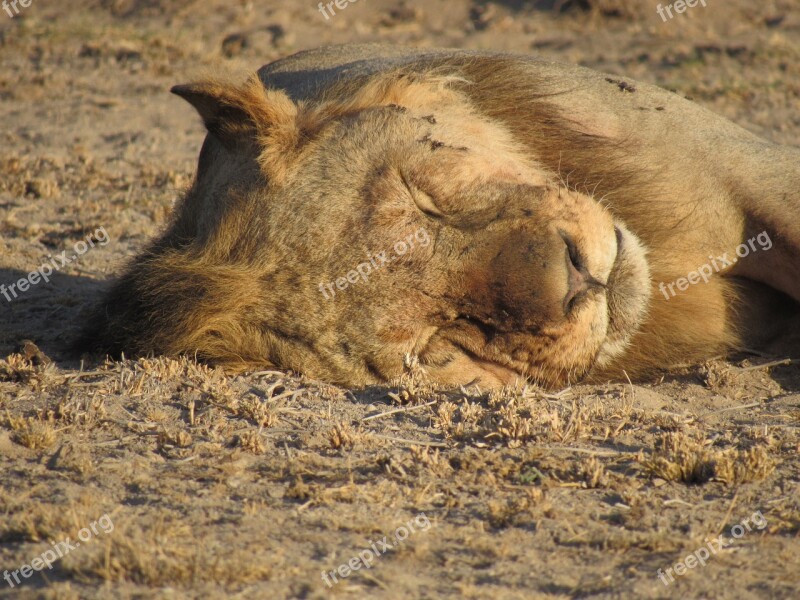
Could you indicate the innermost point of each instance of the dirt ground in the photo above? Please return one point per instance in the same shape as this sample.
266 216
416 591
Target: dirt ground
198 484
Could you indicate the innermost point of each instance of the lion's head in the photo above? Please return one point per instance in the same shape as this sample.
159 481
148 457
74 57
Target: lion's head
385 221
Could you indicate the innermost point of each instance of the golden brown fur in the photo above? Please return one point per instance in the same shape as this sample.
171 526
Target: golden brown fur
519 182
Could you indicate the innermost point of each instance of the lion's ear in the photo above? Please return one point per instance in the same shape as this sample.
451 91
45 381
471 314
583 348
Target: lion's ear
222 110
238 115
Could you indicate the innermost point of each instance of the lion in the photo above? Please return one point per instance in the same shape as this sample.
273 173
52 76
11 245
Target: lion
486 218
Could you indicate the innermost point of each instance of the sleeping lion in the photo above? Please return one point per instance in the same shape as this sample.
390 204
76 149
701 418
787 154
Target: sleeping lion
489 218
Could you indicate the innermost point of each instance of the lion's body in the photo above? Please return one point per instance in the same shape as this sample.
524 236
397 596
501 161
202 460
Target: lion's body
298 185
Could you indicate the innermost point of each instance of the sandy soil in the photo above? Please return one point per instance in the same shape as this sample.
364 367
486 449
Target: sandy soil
252 487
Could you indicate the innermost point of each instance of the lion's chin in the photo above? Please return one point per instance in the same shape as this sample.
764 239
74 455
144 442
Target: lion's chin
628 297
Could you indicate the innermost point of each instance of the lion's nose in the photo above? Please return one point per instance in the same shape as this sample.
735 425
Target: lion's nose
579 280
576 286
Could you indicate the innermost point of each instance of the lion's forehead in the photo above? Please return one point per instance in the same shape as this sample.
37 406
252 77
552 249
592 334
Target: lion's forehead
446 117
492 152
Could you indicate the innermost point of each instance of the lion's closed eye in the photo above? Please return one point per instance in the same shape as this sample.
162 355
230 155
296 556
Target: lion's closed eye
422 199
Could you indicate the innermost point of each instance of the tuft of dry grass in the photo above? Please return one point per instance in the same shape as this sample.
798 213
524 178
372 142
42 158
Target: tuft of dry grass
28 369
258 412
249 441
743 466
173 438
681 457
342 435
82 412
29 432
502 513
592 473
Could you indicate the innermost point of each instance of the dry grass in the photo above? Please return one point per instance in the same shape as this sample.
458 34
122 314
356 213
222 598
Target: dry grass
30 432
194 450
680 457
